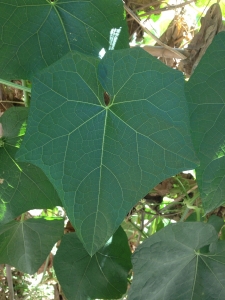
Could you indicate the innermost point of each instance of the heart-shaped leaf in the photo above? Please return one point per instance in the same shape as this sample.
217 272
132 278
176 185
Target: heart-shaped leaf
102 158
36 33
25 245
22 186
102 276
170 265
206 96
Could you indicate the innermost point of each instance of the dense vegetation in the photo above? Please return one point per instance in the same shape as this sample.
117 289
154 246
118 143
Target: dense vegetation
108 125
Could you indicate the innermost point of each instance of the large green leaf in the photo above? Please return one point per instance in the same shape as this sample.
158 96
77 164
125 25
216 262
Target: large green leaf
103 159
22 186
170 265
102 276
206 96
35 33
25 245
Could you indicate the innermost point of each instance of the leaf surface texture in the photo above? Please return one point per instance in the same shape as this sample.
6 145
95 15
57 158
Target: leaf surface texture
35 33
206 97
26 245
170 266
103 275
22 186
103 158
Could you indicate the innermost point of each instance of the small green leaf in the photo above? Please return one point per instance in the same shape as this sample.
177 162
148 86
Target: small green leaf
102 158
206 96
25 245
22 186
102 276
169 265
36 33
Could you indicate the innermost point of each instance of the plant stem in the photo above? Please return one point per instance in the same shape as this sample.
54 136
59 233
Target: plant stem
135 17
177 200
182 186
44 271
138 229
8 101
22 218
184 214
25 94
161 51
10 282
16 86
189 207
45 268
198 214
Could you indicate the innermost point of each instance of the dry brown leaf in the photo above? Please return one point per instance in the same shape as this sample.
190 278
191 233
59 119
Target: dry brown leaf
164 187
69 228
173 37
10 95
211 25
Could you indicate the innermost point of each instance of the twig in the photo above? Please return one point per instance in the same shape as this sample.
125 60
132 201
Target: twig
145 5
189 207
181 56
8 101
44 271
170 205
15 86
25 94
10 282
178 199
138 229
160 51
170 7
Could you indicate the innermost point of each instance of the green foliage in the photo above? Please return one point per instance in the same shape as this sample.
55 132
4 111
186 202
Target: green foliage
104 275
23 186
169 265
55 28
131 134
205 93
101 134
26 244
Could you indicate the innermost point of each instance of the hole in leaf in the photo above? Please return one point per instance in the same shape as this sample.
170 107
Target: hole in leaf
106 98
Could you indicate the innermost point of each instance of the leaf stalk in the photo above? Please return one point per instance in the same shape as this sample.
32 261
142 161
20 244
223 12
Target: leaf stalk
16 86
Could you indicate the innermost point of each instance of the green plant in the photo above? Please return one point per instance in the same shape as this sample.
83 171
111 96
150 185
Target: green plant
101 133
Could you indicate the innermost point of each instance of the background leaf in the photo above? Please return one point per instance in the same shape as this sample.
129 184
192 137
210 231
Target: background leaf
103 275
168 265
216 222
206 96
102 159
22 186
36 33
25 245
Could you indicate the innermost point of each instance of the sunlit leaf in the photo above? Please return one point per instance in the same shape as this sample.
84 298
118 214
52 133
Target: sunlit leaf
35 33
